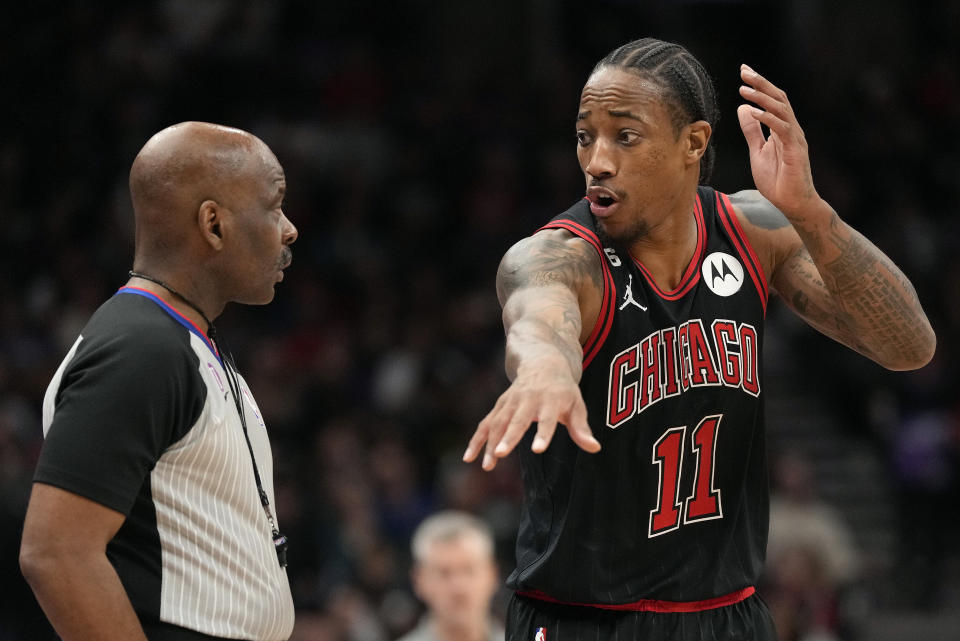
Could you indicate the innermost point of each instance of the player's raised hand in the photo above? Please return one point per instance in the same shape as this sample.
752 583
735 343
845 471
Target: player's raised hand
544 397
780 163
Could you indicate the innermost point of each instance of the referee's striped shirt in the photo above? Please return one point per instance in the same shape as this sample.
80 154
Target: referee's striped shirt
139 417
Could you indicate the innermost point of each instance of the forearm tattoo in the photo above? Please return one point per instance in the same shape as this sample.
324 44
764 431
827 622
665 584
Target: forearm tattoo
847 288
875 298
808 295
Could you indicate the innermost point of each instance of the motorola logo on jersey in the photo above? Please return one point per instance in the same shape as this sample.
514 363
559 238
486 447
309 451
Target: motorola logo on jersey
722 273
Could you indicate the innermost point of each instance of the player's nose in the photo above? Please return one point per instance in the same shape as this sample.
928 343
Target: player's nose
601 160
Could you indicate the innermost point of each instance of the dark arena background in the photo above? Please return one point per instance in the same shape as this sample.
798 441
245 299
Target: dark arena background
420 142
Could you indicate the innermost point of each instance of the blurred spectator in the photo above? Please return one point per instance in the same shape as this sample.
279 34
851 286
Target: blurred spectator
455 575
811 557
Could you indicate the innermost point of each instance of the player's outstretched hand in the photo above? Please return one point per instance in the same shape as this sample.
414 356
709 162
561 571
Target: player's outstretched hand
780 163
545 398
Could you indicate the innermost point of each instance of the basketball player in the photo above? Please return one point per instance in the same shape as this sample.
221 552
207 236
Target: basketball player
151 515
635 319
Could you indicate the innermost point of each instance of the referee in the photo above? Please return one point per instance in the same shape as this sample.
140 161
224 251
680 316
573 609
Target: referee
152 512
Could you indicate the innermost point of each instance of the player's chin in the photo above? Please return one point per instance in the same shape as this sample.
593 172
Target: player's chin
610 230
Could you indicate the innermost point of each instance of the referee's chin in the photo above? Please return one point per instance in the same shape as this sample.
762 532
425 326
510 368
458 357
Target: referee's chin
262 297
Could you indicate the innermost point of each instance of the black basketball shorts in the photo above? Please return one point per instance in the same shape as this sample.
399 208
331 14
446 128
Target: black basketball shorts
530 619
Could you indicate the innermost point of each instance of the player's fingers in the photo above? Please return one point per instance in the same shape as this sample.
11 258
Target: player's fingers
762 85
786 130
579 428
500 420
768 103
516 428
489 458
546 426
476 441
487 430
497 425
750 127
777 143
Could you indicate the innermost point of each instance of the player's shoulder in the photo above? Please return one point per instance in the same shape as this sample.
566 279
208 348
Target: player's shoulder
550 257
578 214
766 228
550 249
752 209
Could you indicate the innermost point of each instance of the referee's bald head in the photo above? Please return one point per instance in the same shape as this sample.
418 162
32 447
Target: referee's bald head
177 170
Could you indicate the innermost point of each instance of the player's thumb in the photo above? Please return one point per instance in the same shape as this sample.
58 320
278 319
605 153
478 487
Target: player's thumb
750 126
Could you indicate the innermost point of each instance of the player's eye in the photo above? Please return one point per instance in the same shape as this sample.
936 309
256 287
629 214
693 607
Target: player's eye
628 137
583 138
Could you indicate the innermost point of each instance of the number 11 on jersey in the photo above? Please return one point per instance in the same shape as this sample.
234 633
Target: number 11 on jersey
703 503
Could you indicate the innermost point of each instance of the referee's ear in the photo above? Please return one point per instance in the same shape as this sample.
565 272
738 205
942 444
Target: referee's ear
210 217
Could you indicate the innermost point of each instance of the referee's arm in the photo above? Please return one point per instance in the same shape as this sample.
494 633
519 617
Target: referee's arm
63 557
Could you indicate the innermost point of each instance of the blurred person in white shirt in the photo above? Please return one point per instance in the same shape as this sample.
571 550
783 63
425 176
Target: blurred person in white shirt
455 575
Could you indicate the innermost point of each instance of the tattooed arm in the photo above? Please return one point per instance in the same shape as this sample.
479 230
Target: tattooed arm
825 270
840 283
548 284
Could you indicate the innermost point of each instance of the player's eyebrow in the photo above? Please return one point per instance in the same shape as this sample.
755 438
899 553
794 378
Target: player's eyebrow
616 113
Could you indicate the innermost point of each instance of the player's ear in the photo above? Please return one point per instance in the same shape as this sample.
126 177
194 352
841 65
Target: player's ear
210 217
696 135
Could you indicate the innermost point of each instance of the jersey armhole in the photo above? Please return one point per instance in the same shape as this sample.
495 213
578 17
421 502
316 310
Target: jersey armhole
747 254
598 335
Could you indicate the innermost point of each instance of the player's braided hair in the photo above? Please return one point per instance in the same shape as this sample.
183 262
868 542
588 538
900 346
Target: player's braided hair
689 88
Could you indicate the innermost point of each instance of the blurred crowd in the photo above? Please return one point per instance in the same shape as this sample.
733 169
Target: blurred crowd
419 144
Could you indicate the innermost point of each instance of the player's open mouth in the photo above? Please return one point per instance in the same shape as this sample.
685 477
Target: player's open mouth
602 201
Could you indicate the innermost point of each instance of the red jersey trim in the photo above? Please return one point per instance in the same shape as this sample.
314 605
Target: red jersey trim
746 243
739 239
692 275
655 605
601 329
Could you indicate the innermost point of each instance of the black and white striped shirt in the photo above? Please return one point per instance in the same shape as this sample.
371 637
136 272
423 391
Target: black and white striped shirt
139 417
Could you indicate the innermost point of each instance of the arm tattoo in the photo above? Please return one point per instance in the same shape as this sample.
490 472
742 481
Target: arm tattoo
874 293
538 283
863 299
549 260
807 294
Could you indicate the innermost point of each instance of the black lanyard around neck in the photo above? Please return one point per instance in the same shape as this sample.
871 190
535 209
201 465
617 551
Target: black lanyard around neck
279 540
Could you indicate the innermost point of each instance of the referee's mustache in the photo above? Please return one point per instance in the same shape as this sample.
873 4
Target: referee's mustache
286 257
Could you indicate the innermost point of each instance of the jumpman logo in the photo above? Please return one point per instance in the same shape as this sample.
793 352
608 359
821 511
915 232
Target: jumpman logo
628 295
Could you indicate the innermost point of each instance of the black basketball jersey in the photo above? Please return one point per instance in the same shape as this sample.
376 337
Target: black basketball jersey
675 505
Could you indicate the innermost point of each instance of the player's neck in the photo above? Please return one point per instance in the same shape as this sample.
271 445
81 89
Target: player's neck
667 250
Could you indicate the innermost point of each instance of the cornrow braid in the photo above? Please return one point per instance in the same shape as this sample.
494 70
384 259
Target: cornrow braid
689 87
